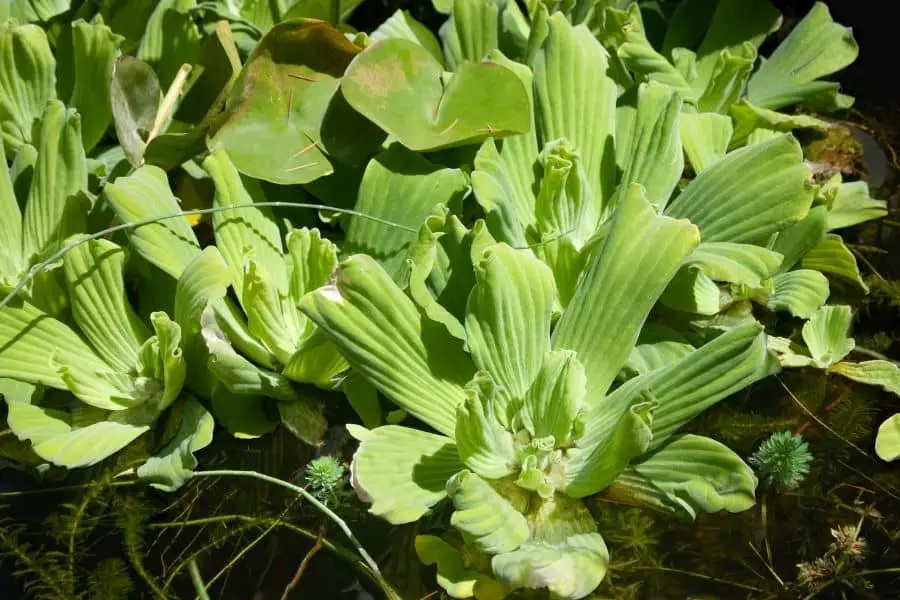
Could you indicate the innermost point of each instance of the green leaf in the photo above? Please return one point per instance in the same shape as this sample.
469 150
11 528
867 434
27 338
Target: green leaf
34 10
271 316
826 335
401 25
27 81
402 472
316 361
692 291
509 208
571 568
161 359
304 419
80 437
172 467
620 286
398 173
705 137
735 263
397 84
245 417
475 26
454 577
853 205
748 195
485 445
380 331
883 373
694 473
815 48
244 234
553 402
797 239
94 274
832 257
750 119
134 98
485 517
312 260
648 144
319 9
799 292
508 317
728 77
204 281
11 259
57 205
170 244
286 98
86 64
37 348
887 442
657 347
575 100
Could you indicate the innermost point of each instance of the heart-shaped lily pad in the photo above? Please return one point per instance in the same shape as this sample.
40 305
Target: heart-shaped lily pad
400 86
286 120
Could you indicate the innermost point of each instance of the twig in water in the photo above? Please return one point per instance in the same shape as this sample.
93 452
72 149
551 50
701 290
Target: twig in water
303 564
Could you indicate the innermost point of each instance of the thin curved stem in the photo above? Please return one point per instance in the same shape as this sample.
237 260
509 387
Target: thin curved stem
199 586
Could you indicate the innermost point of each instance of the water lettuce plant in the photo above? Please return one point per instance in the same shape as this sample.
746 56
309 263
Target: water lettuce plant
526 420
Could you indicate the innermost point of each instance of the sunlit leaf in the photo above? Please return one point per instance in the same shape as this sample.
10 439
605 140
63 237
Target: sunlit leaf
491 521
27 81
826 334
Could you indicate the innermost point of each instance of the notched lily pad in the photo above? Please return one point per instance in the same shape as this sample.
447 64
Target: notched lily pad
285 120
400 86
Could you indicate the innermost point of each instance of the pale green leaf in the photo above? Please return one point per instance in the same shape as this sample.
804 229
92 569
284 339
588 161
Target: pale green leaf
752 121
402 25
398 173
799 292
815 48
692 473
657 347
485 445
454 577
705 137
57 205
134 97
316 361
735 263
170 243
826 334
475 25
245 417
485 517
312 260
648 144
575 99
233 323
304 419
402 472
247 232
620 286
508 317
554 400
730 70
853 205
94 274
832 257
27 81
503 186
692 291
380 331
887 442
161 359
883 373
797 239
11 259
173 466
271 316
748 195
570 569
565 205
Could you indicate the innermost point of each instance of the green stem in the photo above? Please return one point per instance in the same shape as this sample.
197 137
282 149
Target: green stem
306 495
199 586
337 10
701 576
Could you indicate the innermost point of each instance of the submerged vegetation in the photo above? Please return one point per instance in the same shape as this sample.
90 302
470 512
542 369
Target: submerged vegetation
472 299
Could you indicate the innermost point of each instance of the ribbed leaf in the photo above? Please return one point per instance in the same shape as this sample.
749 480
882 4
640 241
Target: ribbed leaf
381 333
692 291
832 257
853 205
508 207
882 373
272 318
316 361
245 417
134 97
826 335
887 442
398 173
246 233
27 80
735 263
94 273
485 445
620 286
705 137
170 244
648 144
799 292
311 261
699 474
728 78
754 124
11 259
657 347
575 99
815 48
402 25
458 580
555 398
475 25
172 467
748 195
485 517
797 239
508 317
57 205
86 67
402 472
570 569
37 348
162 361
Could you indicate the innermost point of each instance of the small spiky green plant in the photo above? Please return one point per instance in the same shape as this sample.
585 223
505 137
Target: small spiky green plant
782 461
324 477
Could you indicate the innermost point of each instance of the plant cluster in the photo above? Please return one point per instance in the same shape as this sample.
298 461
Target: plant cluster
551 236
